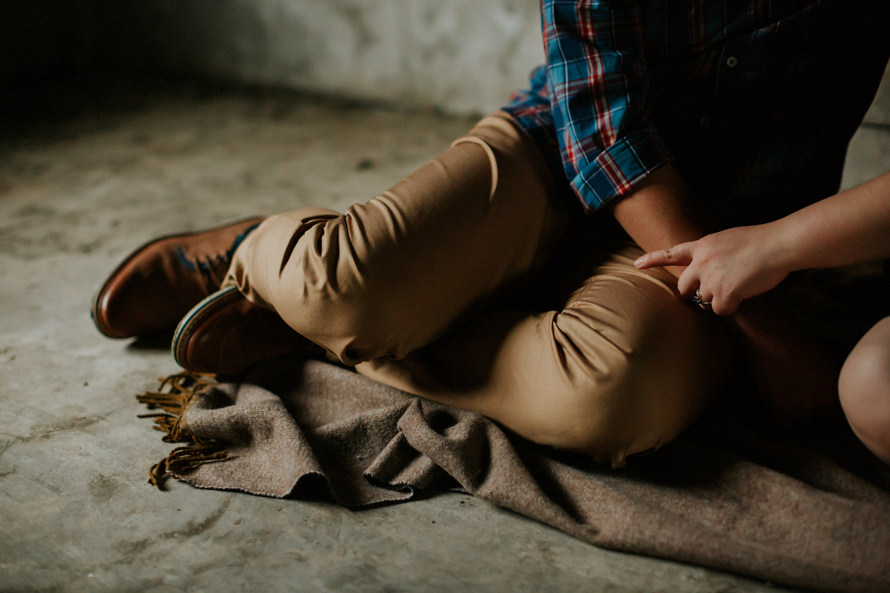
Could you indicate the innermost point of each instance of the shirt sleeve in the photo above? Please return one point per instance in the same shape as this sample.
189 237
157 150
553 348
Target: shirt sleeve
599 96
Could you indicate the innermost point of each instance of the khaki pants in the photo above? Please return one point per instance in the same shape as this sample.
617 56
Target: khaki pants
427 287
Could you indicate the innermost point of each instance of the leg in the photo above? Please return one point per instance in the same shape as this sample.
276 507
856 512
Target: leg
389 276
623 367
864 388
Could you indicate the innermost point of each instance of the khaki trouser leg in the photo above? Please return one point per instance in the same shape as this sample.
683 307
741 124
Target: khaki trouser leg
622 367
394 286
389 276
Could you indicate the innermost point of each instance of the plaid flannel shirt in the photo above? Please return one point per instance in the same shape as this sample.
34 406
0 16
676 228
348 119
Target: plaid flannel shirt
753 100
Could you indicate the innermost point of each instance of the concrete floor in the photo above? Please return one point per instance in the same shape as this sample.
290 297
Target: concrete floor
101 172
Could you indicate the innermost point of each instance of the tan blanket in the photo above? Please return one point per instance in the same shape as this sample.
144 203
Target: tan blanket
720 496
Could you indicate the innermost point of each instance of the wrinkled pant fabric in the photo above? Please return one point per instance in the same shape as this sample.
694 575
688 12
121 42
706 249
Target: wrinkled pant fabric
471 284
428 288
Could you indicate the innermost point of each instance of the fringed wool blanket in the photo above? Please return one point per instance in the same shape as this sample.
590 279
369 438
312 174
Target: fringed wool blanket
720 496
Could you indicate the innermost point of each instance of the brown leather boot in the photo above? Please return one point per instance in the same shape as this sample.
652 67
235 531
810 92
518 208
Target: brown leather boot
158 283
226 334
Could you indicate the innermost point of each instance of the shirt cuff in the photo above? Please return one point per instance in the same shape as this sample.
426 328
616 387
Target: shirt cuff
618 169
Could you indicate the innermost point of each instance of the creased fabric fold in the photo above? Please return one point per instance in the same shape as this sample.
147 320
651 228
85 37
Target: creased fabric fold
720 496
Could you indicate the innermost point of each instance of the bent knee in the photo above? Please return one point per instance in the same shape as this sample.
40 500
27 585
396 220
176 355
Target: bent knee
611 420
348 324
326 289
636 401
864 389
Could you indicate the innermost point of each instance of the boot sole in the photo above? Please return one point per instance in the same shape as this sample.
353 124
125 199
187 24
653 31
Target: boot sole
196 317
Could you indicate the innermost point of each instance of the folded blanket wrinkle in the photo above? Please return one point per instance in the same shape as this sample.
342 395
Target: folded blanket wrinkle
720 496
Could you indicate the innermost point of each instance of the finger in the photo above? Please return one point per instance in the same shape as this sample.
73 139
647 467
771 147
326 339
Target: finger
725 307
706 297
687 283
721 308
678 255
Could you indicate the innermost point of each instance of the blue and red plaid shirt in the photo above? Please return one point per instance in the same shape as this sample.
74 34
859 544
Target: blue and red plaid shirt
754 101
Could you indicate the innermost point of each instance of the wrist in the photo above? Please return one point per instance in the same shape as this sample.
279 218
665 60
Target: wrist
658 215
782 239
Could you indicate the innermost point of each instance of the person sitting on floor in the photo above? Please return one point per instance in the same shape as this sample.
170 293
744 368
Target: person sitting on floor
479 282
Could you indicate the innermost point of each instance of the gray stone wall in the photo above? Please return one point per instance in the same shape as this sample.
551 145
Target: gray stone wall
460 56
457 55
880 108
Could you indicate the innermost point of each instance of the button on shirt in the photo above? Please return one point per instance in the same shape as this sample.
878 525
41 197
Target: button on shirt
753 101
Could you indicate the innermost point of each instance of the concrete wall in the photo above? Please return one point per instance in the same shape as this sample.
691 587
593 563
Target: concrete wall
880 108
458 55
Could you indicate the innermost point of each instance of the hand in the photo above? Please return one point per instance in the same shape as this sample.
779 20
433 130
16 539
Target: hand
726 267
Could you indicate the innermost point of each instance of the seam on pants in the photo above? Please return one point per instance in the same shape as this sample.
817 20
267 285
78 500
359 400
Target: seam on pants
491 157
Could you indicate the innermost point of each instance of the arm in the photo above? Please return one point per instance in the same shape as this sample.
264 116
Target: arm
599 97
657 214
599 104
796 377
611 155
736 264
850 227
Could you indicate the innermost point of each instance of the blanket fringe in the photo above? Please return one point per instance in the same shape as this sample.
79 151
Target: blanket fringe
173 396
184 460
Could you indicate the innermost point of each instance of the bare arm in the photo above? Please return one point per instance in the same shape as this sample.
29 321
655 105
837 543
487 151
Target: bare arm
736 264
795 376
852 226
657 215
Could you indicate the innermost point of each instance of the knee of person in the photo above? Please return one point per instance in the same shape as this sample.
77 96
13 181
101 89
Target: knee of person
596 419
622 413
864 389
320 273
325 288
349 323
344 326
